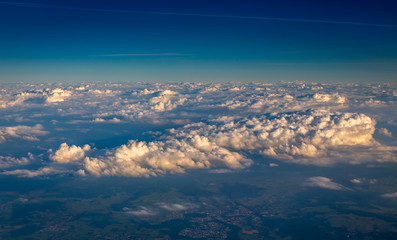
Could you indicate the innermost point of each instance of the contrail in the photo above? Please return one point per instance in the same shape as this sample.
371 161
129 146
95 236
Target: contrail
39 5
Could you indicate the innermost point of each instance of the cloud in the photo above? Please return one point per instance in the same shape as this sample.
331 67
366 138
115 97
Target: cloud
58 95
146 104
329 98
222 170
323 182
176 206
101 120
66 154
44 171
12 100
8 161
313 137
384 132
390 195
140 212
25 132
217 126
356 181
142 159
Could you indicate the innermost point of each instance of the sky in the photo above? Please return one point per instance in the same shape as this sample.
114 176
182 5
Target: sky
266 41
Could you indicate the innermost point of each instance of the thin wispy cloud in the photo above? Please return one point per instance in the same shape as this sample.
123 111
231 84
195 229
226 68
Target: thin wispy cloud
39 5
324 182
142 55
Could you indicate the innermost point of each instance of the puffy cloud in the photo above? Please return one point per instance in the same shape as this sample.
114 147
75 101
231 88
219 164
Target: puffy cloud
223 124
141 159
8 161
18 99
329 98
164 101
357 181
66 154
313 137
145 104
58 95
384 131
323 182
21 131
33 173
101 120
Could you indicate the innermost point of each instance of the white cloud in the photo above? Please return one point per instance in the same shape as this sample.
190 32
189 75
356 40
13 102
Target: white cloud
21 131
101 120
384 131
329 98
314 137
223 124
357 181
176 206
140 212
58 95
66 154
141 159
8 161
323 182
33 173
18 99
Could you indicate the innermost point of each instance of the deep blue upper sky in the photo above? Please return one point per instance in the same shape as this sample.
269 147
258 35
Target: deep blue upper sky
198 40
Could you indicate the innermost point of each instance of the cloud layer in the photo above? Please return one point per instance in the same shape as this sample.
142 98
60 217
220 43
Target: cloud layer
313 137
217 126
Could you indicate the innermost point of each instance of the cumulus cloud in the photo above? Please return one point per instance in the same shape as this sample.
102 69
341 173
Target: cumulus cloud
58 95
329 98
8 161
18 99
313 137
220 124
21 131
66 154
146 104
142 159
101 120
323 182
384 132
357 181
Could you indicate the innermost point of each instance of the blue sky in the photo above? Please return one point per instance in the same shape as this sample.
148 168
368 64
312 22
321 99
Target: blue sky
50 41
